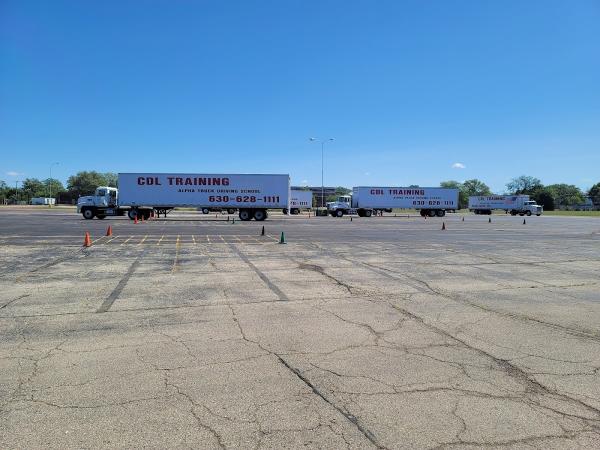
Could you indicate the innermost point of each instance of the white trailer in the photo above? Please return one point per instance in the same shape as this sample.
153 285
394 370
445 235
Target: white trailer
141 193
514 204
299 200
365 200
43 201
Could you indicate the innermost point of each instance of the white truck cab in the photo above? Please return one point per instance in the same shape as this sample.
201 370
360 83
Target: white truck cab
530 207
103 203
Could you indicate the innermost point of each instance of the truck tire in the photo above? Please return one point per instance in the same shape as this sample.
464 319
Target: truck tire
231 211
528 213
284 210
245 214
368 213
339 213
260 215
88 213
295 211
205 210
132 214
431 213
538 215
440 213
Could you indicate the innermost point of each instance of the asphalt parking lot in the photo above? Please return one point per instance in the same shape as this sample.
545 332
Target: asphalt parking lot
384 332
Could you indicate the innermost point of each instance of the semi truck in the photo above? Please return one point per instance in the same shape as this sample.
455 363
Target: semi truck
140 194
366 200
299 200
513 204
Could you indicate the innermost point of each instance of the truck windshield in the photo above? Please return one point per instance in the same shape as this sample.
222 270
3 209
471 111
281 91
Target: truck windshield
101 193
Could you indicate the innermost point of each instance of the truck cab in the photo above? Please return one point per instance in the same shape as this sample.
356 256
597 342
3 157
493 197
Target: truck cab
531 207
104 202
343 205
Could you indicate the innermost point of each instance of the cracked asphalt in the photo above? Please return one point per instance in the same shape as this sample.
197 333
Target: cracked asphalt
197 332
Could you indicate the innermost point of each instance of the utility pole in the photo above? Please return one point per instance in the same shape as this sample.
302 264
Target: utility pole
322 141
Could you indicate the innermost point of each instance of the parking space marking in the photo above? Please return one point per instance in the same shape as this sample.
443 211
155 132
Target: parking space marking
176 260
160 240
127 240
143 240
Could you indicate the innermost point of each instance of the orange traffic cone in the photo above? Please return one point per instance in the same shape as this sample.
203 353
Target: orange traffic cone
135 220
443 225
109 231
87 242
142 217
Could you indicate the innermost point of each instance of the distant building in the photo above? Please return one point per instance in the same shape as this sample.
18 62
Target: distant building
43 201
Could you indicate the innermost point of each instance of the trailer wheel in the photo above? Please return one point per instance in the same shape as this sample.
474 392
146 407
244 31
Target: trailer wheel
521 214
87 213
205 210
339 213
231 211
528 213
424 213
132 214
431 213
440 213
368 213
538 215
260 215
513 213
284 210
295 211
245 215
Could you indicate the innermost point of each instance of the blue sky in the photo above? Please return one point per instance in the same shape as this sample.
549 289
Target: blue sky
406 88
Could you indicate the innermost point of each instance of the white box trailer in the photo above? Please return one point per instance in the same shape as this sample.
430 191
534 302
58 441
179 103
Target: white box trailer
141 193
300 200
514 204
368 199
43 201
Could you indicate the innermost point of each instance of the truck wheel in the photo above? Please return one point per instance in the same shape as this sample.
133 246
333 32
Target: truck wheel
521 214
431 213
245 215
528 213
285 211
260 215
295 211
368 213
132 214
205 211
439 213
538 215
88 213
339 213
231 211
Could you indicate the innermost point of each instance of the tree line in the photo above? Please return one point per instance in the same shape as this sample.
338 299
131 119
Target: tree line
551 197
82 183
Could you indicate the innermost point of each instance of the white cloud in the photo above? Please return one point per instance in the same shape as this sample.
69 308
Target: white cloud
12 173
458 166
367 173
304 181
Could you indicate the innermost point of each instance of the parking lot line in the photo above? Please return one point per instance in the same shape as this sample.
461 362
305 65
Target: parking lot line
160 240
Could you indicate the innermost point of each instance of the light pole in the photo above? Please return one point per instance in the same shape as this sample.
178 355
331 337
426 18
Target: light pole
322 141
17 192
50 183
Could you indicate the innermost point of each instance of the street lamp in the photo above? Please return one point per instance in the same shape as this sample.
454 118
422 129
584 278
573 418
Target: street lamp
322 141
50 183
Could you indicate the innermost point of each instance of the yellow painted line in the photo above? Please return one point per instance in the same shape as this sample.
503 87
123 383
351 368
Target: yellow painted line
110 240
237 237
127 240
142 241
176 260
160 240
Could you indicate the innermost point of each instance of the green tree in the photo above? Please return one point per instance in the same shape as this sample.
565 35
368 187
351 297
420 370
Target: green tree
524 185
340 190
112 179
32 187
594 193
566 194
53 187
476 187
545 198
463 197
85 183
